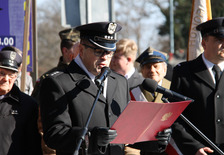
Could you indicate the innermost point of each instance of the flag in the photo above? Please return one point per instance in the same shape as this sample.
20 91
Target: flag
201 12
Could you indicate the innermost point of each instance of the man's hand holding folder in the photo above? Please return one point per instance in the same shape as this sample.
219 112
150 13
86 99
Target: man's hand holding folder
158 146
143 121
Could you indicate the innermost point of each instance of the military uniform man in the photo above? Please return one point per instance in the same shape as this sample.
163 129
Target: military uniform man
67 97
69 48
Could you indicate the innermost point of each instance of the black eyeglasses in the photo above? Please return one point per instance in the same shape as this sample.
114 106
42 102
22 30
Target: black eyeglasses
100 52
10 74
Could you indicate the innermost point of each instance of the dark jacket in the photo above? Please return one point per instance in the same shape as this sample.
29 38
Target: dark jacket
66 99
36 91
18 120
192 79
135 80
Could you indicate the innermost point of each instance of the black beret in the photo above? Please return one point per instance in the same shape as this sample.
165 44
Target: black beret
214 27
10 60
151 55
101 34
70 34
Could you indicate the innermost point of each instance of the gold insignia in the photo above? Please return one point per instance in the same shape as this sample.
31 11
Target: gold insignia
70 34
12 55
112 28
166 116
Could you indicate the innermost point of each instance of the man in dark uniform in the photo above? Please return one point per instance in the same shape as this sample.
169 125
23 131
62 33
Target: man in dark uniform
69 49
66 97
196 80
18 111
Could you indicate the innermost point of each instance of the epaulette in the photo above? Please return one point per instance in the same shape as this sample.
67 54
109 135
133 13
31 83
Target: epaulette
53 74
179 64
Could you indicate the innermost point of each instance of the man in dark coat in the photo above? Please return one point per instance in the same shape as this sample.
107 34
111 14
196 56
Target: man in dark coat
67 97
196 80
18 112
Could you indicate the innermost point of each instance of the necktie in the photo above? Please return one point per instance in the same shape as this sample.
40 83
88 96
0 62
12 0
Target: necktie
217 73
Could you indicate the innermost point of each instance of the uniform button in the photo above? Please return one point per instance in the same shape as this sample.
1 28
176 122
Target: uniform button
109 114
218 120
217 96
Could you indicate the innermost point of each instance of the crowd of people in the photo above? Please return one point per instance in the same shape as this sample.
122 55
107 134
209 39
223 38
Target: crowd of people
51 118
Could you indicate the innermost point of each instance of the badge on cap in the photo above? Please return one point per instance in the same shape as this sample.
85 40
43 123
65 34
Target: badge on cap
13 55
112 28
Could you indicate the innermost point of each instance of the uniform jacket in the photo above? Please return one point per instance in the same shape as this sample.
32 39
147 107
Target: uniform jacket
135 80
18 120
36 91
158 96
66 99
192 79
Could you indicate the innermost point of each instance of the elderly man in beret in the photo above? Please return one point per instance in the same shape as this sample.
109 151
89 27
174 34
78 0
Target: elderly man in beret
18 111
202 80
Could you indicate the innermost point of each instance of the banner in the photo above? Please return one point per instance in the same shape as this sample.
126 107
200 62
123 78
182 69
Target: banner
12 15
201 12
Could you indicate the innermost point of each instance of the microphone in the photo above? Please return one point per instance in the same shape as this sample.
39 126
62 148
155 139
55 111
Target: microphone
152 86
105 71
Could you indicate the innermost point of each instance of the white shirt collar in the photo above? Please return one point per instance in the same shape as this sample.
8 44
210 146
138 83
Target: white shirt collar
130 73
210 65
80 63
160 83
2 96
92 77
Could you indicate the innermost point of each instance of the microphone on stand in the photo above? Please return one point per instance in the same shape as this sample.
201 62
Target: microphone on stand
105 71
152 86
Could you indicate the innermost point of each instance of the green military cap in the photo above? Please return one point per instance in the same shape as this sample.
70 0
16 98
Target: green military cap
70 34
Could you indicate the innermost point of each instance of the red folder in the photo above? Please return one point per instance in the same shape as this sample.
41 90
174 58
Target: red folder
141 121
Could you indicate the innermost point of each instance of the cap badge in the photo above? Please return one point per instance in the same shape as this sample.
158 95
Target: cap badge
13 55
150 53
112 28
